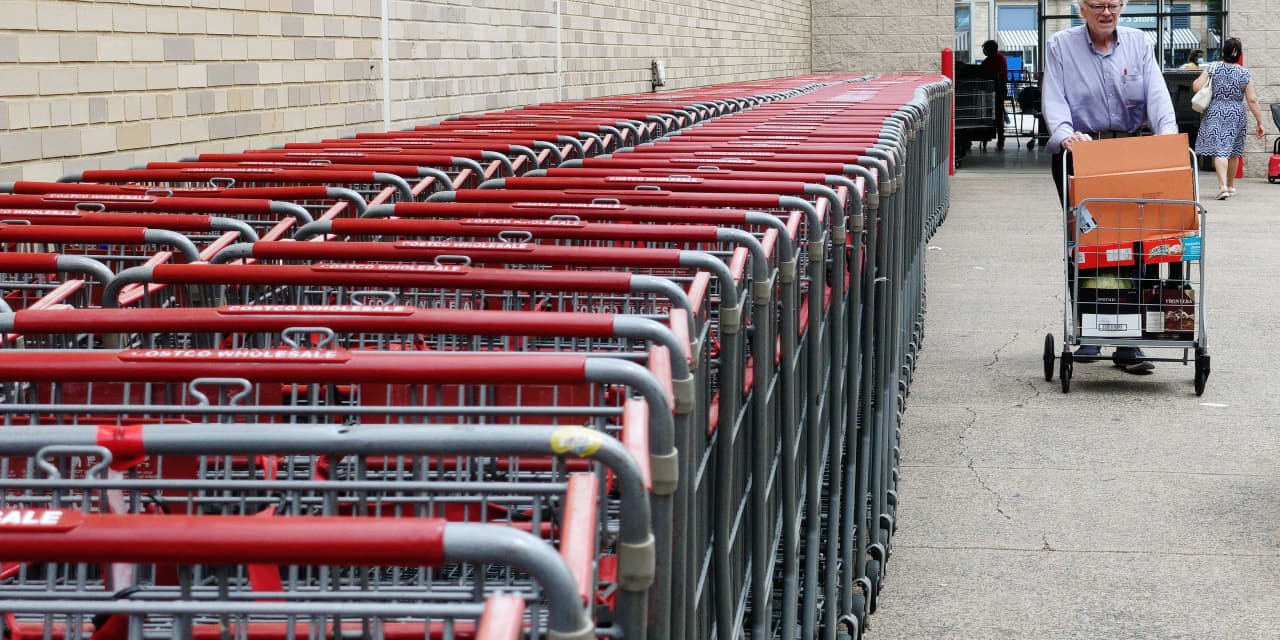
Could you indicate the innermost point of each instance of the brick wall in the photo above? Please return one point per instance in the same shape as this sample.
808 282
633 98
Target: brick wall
87 85
1257 24
904 36
449 57
108 84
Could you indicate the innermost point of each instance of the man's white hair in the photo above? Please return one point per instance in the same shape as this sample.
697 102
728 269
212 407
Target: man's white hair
1080 5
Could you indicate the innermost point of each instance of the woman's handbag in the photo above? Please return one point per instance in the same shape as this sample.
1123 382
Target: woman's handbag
1200 101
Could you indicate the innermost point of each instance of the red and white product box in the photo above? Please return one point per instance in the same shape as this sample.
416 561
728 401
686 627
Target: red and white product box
1104 255
1180 249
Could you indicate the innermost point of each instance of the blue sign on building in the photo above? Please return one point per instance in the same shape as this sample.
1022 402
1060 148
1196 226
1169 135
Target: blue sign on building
1127 19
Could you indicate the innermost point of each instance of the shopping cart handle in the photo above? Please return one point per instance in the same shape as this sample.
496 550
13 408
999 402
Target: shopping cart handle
500 159
65 535
53 262
573 142
553 152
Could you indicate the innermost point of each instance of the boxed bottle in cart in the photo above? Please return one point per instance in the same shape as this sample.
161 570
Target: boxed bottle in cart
1169 311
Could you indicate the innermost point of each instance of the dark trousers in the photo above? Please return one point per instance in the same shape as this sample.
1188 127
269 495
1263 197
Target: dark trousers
1000 115
1057 176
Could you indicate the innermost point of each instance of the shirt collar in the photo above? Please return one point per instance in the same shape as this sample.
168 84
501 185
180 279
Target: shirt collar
1115 43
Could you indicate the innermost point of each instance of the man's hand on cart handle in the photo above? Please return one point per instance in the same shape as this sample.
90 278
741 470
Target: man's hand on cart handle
1076 136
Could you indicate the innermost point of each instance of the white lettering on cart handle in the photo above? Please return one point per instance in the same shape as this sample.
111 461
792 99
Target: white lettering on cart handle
39 519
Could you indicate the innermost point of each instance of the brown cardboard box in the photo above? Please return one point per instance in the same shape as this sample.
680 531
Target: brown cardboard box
1122 155
1131 222
1147 168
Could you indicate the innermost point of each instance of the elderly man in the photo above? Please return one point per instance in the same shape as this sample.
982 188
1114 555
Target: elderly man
1102 80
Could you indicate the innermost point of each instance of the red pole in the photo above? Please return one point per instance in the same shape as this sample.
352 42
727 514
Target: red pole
1240 164
949 70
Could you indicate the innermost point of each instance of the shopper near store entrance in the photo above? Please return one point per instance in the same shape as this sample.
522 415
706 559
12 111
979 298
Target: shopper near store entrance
997 66
1102 80
1222 130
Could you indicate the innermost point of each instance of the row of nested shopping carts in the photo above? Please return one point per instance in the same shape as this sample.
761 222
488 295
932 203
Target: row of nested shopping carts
625 367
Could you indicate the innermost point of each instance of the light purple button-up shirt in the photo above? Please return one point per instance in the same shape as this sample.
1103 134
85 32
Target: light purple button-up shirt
1120 90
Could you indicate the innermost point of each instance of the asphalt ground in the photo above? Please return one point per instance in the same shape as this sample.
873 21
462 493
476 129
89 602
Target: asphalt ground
1128 508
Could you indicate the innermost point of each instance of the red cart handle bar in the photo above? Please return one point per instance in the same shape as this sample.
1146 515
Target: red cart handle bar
334 160
644 197
401 170
111 193
54 263
98 235
401 275
172 222
346 318
293 366
436 252
57 535
231 176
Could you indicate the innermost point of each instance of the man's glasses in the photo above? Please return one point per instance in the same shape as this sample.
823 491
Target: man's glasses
1113 7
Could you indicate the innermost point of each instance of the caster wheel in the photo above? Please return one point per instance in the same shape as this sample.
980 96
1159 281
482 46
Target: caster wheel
1031 145
1202 370
850 628
1048 357
1064 371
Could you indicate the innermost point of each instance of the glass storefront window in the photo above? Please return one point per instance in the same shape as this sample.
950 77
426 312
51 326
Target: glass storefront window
963 47
1176 27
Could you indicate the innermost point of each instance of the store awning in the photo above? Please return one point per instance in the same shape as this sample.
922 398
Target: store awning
1175 39
1011 39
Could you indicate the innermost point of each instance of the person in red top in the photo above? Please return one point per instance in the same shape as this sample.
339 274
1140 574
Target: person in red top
996 65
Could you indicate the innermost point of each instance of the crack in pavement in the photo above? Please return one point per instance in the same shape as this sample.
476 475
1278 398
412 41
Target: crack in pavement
964 451
995 355
995 359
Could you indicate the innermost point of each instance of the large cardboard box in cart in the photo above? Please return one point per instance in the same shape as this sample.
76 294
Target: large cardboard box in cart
1147 168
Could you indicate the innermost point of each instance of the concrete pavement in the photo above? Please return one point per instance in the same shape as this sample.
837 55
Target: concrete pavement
1129 508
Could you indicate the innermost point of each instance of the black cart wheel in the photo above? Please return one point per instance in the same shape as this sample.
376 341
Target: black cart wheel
1031 145
1272 179
1048 357
1202 370
1064 371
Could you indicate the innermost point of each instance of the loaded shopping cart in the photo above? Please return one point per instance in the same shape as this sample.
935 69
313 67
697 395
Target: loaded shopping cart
1134 266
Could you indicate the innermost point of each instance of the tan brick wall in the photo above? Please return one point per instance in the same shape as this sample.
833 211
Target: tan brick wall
86 85
108 84
1257 24
904 36
450 58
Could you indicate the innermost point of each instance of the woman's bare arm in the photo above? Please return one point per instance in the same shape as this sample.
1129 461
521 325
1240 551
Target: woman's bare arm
1251 99
1199 81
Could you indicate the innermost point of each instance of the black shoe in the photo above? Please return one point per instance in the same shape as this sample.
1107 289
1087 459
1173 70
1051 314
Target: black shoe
1129 358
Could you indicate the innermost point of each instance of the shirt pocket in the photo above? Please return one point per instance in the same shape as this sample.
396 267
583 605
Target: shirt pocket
1134 91
1133 88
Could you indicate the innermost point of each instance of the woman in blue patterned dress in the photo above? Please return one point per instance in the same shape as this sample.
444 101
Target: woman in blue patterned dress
1222 130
